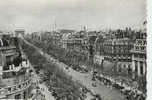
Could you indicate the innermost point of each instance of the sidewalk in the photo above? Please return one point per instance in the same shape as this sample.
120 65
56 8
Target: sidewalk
45 92
46 95
86 80
121 83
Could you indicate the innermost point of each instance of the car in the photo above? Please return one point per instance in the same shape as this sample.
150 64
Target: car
98 97
94 85
54 94
85 90
41 81
126 92
66 68
30 70
37 87
93 78
85 70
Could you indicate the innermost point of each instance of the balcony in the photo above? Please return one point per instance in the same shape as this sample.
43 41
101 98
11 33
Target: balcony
7 48
138 51
12 67
16 83
12 78
15 88
139 59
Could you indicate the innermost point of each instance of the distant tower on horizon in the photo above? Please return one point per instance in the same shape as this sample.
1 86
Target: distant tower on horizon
84 28
54 24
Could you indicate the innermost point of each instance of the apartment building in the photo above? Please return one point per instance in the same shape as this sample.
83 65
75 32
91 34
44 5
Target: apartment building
15 78
139 54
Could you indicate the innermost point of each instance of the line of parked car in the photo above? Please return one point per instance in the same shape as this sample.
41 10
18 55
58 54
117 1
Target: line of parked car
79 68
130 93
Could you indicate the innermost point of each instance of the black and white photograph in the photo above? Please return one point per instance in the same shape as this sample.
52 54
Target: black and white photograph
73 50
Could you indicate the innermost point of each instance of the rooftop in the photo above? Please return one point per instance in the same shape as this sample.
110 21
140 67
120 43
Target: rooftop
18 30
66 31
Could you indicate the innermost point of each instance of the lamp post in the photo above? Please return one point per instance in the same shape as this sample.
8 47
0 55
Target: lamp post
114 69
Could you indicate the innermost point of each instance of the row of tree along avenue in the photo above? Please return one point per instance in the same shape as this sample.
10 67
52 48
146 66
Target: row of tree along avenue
60 84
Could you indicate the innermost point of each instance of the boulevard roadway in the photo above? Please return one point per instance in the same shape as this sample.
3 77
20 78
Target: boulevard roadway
107 93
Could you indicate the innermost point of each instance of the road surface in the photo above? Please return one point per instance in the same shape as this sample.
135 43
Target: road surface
86 79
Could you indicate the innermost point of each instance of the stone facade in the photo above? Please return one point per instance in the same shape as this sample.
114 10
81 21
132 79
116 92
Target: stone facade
139 55
15 78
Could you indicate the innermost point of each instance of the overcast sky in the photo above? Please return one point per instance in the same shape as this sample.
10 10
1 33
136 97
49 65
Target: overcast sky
35 15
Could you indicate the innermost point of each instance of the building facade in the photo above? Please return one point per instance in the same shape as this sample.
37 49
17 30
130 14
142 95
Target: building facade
15 78
99 53
139 55
75 42
118 51
126 49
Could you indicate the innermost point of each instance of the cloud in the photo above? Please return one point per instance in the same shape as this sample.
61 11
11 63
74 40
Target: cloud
40 14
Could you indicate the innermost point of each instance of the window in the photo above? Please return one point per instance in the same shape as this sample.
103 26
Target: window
119 69
8 59
24 95
124 66
19 86
142 48
141 68
137 47
139 42
15 88
136 66
6 67
136 55
141 56
129 69
9 89
145 43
